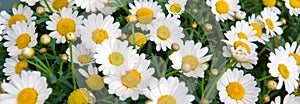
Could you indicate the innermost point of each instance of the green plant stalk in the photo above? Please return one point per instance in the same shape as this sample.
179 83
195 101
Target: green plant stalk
172 73
264 78
48 6
47 62
41 63
53 50
38 66
133 34
123 7
202 86
165 68
60 68
72 65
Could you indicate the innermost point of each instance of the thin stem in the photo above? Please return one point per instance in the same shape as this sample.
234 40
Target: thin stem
38 66
72 65
41 63
60 68
264 78
123 7
172 73
133 34
49 55
202 86
48 6
47 62
53 50
262 50
165 68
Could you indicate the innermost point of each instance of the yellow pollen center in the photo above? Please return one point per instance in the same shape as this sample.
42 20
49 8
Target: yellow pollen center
296 57
269 3
270 24
242 44
175 8
23 40
140 39
235 90
59 4
222 7
191 60
116 58
258 29
99 35
15 18
27 96
295 3
242 35
284 71
131 79
79 96
163 33
20 66
65 26
84 58
166 99
145 15
95 82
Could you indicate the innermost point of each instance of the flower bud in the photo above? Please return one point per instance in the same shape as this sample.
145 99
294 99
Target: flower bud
28 52
208 27
175 46
266 98
40 10
43 50
240 15
194 25
64 57
214 72
195 10
271 85
123 36
204 101
131 18
45 39
71 37
283 21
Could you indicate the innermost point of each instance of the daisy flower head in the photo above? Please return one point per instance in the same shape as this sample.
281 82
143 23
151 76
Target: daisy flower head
29 87
270 4
224 9
19 37
169 91
271 22
30 2
93 80
108 10
115 56
176 7
285 68
14 66
57 5
164 31
134 82
81 54
65 22
81 96
288 99
145 10
191 59
236 88
294 51
90 5
244 31
258 25
293 6
98 28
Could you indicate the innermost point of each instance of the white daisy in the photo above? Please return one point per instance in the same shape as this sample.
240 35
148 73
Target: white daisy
294 51
134 82
96 29
169 91
224 9
236 88
81 55
64 23
293 6
257 24
288 99
93 80
271 23
164 31
30 2
90 5
192 55
244 31
14 66
270 4
20 37
176 7
145 11
29 87
115 56
108 10
57 5
285 68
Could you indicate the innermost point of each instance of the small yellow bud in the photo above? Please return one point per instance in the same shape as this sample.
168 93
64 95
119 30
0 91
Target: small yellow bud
271 85
43 50
204 101
140 39
28 52
71 37
45 39
214 72
266 98
123 36
64 57
194 25
283 21
131 18
175 46
40 10
195 10
208 27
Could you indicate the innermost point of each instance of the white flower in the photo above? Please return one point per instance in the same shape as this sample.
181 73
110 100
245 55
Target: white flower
108 10
81 55
145 11
288 99
270 4
169 91
271 23
90 5
257 24
294 51
243 30
29 87
176 7
224 9
57 5
293 6
30 2
93 80
64 23
236 88
19 37
164 31
192 55
13 66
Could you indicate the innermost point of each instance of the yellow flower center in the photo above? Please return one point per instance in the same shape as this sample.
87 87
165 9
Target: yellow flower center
166 99
235 90
23 40
65 26
175 8
15 18
191 60
242 35
27 96
99 35
20 66
79 96
145 15
222 6
258 29
284 71
296 57
270 23
295 3
163 33
242 44
116 58
131 79
269 3
140 39
59 4
84 58
95 82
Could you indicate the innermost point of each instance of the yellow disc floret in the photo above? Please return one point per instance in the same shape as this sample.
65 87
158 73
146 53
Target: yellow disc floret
145 15
116 58
140 39
131 79
190 60
166 99
295 3
235 90
23 40
84 58
95 82
65 26
175 8
222 7
27 96
163 33
20 66
17 17
284 71
99 35
269 3
59 4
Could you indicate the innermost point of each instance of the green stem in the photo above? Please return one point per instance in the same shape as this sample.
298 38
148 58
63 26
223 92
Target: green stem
264 78
123 7
48 6
49 55
38 66
60 68
41 63
133 34
262 50
202 87
172 73
53 50
165 68
72 65
47 62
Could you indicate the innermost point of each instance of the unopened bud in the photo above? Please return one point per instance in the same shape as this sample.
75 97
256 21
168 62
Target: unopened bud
194 25
40 10
123 36
131 18
208 27
64 57
204 101
271 85
175 46
283 21
28 52
195 10
45 39
71 37
43 50
214 72
240 15
266 98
